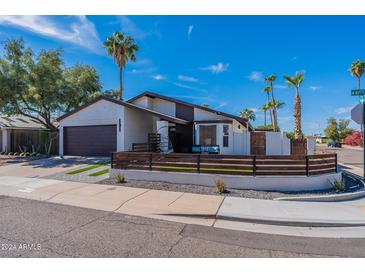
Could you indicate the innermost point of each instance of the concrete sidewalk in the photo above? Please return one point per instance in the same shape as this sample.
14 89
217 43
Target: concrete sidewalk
185 207
289 213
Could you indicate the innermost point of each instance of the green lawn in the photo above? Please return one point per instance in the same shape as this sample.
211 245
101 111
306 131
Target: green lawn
98 173
87 168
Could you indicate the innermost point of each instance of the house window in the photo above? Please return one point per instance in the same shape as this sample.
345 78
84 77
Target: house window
207 135
225 136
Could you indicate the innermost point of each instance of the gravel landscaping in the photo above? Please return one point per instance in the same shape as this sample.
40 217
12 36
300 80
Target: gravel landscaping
266 195
8 159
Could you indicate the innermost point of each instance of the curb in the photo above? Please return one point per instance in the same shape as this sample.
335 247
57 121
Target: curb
290 222
325 198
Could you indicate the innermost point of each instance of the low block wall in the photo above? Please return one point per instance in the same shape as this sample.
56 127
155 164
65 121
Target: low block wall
267 183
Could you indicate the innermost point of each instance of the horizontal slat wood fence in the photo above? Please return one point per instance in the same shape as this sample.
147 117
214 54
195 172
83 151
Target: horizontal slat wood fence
305 165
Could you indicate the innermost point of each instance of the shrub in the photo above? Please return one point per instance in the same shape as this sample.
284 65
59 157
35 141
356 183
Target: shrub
220 186
11 153
16 153
2 153
27 154
354 139
33 154
120 178
339 185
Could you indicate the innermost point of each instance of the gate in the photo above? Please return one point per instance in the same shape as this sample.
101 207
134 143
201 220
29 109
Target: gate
258 143
298 147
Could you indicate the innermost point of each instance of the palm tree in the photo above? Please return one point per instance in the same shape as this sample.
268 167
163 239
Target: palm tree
270 80
267 90
296 81
357 69
248 114
276 105
265 108
123 49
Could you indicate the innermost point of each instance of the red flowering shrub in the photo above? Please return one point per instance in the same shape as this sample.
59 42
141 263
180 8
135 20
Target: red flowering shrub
354 139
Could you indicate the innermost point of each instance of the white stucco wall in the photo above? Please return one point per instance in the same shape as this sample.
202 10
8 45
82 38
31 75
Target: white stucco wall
144 101
277 143
311 146
164 106
137 125
241 143
100 113
200 114
268 183
5 141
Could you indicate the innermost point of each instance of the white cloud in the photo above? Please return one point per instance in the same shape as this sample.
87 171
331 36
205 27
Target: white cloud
187 78
314 88
343 110
141 71
280 86
190 30
75 29
159 77
187 87
256 76
131 28
216 69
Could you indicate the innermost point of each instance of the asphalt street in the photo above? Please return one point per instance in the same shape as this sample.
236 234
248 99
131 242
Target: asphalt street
38 229
347 156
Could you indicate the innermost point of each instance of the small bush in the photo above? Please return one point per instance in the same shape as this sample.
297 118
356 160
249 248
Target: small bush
2 153
16 153
339 185
120 178
220 186
11 153
27 154
33 154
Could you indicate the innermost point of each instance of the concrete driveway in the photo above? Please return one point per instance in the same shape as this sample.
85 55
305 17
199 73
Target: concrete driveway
48 166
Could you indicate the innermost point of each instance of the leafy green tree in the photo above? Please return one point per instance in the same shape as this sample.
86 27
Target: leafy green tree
123 49
248 114
337 130
113 93
39 86
296 81
83 84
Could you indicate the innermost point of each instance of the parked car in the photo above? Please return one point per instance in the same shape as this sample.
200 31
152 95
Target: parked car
334 144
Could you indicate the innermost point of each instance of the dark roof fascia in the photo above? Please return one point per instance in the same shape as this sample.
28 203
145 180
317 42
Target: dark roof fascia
156 95
126 104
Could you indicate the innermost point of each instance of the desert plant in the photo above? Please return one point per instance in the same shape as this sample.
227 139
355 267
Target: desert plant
11 153
120 178
23 149
33 154
220 186
339 185
16 153
27 154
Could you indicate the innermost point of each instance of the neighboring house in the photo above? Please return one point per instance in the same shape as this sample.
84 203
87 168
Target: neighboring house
18 130
106 125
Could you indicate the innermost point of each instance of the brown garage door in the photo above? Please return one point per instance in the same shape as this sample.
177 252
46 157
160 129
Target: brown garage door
90 140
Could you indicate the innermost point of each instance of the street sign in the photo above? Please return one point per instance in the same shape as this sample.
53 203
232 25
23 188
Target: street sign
357 92
362 99
356 114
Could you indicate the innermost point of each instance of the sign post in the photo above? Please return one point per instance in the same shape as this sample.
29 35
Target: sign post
356 117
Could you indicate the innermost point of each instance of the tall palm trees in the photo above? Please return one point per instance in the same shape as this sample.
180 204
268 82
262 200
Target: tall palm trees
123 49
357 69
267 90
270 80
296 81
265 108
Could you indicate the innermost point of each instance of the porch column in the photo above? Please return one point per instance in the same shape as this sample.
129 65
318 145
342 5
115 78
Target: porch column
162 128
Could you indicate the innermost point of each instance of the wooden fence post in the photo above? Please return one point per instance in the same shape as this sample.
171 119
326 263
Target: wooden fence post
307 165
254 165
336 162
150 161
112 160
198 163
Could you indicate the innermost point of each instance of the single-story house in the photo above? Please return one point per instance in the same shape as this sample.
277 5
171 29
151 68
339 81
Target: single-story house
107 125
19 130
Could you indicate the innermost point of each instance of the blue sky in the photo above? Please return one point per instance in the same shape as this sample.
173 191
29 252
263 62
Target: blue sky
218 60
